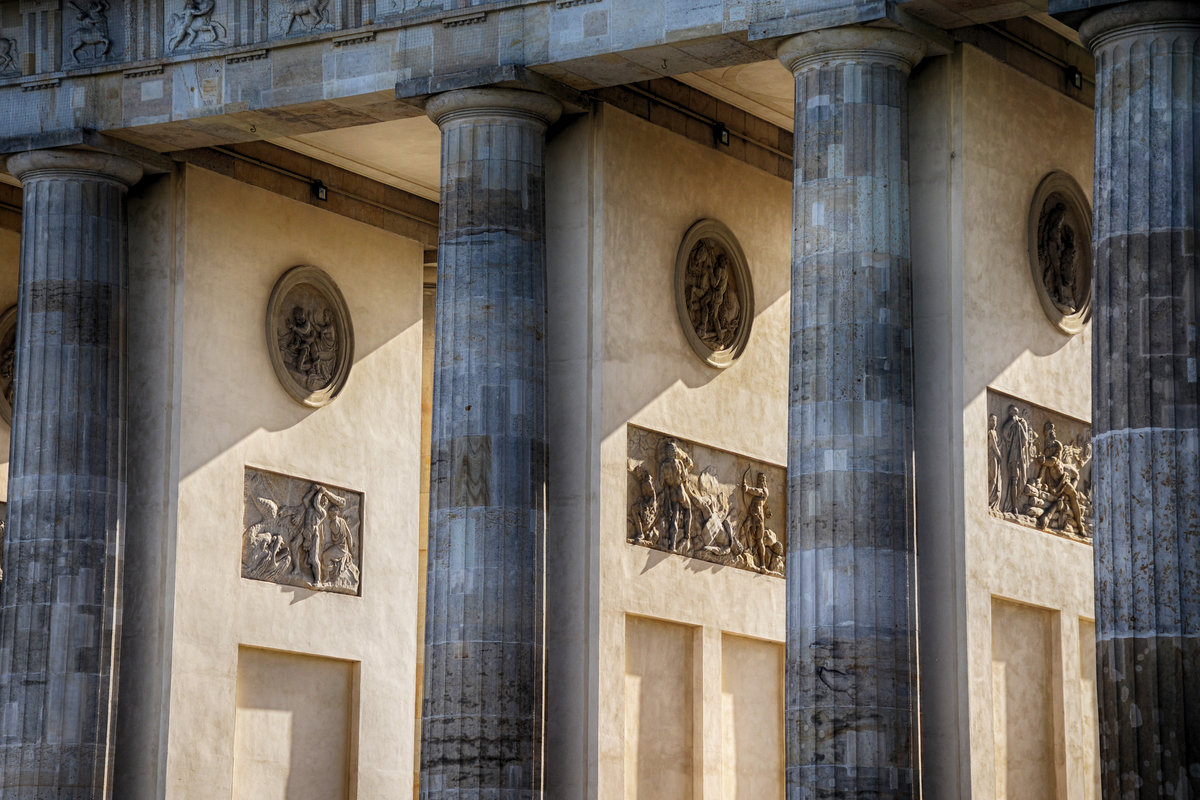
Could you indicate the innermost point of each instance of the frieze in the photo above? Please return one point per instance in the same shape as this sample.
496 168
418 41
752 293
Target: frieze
93 31
1060 254
1039 467
309 335
705 503
713 293
295 17
194 26
298 532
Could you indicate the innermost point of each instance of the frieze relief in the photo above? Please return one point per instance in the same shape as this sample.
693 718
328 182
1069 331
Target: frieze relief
194 26
1039 467
93 32
295 17
1060 255
713 293
704 503
309 335
301 533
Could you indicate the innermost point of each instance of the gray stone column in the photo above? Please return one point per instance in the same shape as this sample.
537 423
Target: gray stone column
60 603
482 715
851 657
1145 397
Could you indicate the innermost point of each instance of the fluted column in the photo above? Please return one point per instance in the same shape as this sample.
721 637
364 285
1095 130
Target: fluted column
1145 399
60 600
851 656
482 715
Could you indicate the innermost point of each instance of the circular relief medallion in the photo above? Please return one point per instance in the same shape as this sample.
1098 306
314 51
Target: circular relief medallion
713 293
8 351
309 335
1060 251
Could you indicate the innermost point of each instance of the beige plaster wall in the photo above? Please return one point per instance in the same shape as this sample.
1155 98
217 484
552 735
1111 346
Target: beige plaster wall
238 240
1014 131
655 186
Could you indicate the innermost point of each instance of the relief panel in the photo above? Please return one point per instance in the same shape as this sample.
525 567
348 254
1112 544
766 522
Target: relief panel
705 503
1060 252
310 338
714 296
195 25
299 17
297 532
1039 467
93 32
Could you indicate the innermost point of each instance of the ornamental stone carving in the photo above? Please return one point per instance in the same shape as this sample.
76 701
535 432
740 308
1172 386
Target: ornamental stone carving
300 16
1060 254
309 335
713 293
298 532
90 39
705 503
1039 467
194 26
8 342
8 55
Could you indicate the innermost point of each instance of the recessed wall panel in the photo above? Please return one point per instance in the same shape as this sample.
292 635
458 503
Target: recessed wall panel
659 693
752 751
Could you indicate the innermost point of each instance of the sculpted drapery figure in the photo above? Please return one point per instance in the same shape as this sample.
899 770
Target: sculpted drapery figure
309 345
995 467
677 506
1056 252
1017 439
713 303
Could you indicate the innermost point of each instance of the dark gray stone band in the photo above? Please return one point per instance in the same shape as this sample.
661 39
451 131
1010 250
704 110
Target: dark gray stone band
60 599
850 693
482 713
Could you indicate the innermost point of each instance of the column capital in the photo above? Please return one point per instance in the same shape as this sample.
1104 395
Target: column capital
851 45
1136 17
492 102
90 164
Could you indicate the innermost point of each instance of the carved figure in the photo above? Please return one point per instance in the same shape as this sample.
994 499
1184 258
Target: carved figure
266 552
1017 439
7 51
1056 253
195 20
339 555
311 13
309 346
645 510
713 304
995 468
716 525
8 365
755 523
92 30
673 472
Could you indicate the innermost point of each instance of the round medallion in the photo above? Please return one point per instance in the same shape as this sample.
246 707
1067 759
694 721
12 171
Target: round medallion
8 351
309 335
713 293
1060 251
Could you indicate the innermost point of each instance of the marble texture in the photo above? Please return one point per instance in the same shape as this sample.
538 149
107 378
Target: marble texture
1145 397
60 606
482 718
851 657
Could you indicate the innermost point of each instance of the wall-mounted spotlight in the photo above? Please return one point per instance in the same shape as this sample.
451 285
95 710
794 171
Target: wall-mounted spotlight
320 191
1075 77
721 134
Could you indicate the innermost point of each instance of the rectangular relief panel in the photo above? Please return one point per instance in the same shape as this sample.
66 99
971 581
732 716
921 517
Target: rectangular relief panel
705 503
659 692
298 532
294 727
1023 659
1039 467
752 736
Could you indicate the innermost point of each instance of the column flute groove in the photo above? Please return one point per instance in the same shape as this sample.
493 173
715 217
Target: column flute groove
850 698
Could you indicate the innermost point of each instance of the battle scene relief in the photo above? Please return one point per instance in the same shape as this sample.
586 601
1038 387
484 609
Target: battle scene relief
1039 467
298 532
704 503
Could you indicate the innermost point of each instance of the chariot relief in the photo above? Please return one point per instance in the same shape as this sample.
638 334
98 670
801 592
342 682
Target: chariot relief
301 533
704 503
1039 467
309 335
713 293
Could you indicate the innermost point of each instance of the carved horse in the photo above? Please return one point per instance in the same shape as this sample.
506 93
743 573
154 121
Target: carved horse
6 54
311 13
93 29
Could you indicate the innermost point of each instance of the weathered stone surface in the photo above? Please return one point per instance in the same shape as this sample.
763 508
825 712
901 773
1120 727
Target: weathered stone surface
60 600
1146 398
482 715
851 661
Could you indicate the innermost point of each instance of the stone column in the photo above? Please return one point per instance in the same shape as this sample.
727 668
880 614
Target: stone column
60 605
851 656
482 714
1145 397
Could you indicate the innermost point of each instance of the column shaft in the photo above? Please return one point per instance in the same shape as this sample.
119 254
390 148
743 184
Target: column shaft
60 600
1145 399
851 656
482 715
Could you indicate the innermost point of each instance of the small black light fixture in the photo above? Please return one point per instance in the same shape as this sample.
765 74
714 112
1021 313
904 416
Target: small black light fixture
1075 77
320 190
721 134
